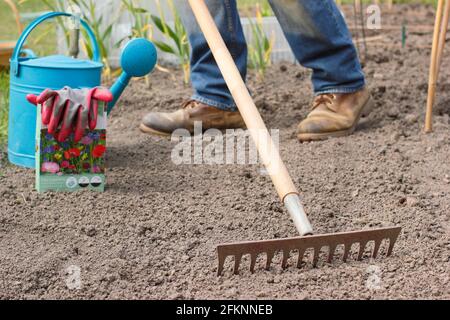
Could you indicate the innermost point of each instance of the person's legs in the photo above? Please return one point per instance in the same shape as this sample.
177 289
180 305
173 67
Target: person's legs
209 86
212 103
321 41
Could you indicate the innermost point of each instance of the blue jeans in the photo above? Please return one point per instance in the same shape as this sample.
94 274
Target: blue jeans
315 30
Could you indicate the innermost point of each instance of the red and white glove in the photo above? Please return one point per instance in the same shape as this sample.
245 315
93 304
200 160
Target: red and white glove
72 110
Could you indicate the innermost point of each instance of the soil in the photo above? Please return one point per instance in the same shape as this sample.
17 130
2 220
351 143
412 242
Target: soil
153 233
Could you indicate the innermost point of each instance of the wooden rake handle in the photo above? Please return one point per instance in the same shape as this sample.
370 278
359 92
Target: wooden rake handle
280 176
443 34
268 152
439 35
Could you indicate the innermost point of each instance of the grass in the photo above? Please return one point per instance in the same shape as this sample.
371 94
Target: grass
247 7
42 41
4 102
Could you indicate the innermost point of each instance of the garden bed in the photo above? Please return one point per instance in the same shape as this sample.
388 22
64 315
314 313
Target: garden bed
153 233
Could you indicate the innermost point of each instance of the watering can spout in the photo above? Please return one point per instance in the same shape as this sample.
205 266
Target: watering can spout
117 89
137 60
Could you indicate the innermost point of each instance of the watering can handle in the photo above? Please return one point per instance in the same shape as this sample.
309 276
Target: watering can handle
35 23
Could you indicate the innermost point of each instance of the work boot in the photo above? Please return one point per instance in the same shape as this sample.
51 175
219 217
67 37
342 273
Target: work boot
192 111
335 115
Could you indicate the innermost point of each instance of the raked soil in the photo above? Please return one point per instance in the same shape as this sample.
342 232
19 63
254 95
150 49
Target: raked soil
153 233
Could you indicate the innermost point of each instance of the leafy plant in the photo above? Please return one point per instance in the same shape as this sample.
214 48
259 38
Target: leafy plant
260 49
47 29
96 21
266 10
142 27
101 31
247 7
177 35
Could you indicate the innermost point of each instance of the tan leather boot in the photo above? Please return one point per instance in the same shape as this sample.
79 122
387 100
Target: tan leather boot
335 115
192 111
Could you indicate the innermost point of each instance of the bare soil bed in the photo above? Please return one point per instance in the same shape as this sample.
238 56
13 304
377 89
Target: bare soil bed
153 233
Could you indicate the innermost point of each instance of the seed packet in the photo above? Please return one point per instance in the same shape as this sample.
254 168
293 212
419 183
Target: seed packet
68 166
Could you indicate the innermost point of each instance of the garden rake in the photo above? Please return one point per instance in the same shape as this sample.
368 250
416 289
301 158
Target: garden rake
270 157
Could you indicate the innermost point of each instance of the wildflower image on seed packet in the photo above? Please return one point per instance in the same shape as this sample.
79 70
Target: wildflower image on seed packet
69 165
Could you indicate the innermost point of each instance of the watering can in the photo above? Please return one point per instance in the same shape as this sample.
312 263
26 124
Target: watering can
32 75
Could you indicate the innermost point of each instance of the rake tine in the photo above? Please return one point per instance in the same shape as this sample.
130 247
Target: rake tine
221 264
316 256
391 246
376 248
362 247
253 262
237 262
305 244
300 258
331 253
285 259
392 242
347 248
270 255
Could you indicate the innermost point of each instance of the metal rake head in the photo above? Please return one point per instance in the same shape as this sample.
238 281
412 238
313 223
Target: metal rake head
302 244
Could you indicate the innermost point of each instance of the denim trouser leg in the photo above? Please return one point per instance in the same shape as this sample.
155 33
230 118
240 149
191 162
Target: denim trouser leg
209 85
315 30
320 40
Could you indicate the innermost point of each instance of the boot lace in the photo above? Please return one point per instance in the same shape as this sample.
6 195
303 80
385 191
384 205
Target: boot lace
189 104
326 99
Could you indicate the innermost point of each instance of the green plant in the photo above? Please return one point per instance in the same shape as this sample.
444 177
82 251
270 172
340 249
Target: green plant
178 35
260 49
141 16
96 21
141 28
247 7
101 31
43 41
266 10
4 104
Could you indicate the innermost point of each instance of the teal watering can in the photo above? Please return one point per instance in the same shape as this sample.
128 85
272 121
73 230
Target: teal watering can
31 75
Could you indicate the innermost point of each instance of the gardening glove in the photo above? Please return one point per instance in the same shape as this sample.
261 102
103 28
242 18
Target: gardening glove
71 109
